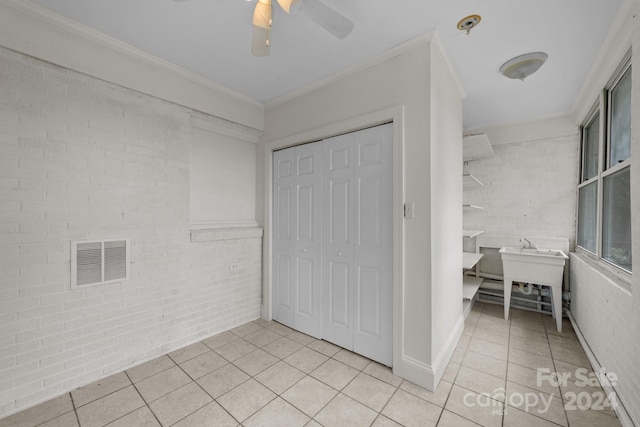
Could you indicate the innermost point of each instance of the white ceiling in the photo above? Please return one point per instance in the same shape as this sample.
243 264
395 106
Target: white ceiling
213 38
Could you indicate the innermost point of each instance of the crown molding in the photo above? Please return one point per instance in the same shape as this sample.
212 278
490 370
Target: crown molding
36 31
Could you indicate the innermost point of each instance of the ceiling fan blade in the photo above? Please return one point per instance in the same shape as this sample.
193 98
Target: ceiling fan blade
263 14
261 45
327 18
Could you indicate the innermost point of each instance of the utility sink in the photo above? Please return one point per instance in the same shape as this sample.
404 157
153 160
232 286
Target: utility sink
539 266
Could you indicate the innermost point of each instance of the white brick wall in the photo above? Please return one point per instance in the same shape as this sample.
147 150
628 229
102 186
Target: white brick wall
529 189
84 159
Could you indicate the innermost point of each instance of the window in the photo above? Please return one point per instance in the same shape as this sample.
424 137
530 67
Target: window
604 197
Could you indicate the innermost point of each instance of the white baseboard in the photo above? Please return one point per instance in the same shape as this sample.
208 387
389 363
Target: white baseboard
621 412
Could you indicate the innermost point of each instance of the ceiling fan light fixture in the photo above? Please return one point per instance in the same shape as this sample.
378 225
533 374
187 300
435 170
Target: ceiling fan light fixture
263 14
523 66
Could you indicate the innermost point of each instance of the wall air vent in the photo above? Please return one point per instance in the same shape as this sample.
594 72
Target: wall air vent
99 262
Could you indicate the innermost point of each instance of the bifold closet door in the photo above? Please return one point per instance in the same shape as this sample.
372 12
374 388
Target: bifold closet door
297 238
357 245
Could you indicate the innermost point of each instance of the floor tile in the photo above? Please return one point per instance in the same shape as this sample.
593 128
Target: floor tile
261 338
473 406
409 410
235 349
147 369
481 382
246 399
220 340
369 391
100 388
335 374
179 403
40 413
533 401
487 348
533 378
110 408
188 352
165 382
383 373
584 397
201 365
491 336
280 329
527 324
255 362
309 395
299 337
383 421
142 417
516 418
528 333
306 359
277 413
569 356
438 397
246 329
352 359
530 360
344 411
211 414
222 380
582 418
324 347
279 377
487 364
451 372
67 420
449 419
530 345
282 347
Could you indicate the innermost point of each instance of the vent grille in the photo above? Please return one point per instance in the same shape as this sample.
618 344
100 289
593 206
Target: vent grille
99 262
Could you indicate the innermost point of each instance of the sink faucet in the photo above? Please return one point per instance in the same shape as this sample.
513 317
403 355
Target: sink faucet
528 244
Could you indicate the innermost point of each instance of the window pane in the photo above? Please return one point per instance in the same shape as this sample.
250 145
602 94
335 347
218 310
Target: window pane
616 219
587 216
620 141
590 148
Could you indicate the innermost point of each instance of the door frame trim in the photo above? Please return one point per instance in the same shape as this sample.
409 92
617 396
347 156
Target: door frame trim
394 114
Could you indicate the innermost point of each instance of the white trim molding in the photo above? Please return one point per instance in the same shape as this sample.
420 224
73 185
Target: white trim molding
35 31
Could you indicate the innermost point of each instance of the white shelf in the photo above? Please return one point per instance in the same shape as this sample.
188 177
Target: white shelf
469 180
470 286
476 147
470 259
471 233
470 206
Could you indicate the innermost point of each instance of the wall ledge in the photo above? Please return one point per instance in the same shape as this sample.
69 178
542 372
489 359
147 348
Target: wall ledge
217 234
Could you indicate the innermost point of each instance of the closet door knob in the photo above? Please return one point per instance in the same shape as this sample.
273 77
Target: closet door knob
339 253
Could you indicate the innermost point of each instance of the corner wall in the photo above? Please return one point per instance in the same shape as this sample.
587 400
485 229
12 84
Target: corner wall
84 159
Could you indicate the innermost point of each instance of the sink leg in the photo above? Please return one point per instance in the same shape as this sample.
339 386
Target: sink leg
507 297
556 294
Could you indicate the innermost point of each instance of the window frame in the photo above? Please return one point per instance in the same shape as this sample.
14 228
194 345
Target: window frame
602 106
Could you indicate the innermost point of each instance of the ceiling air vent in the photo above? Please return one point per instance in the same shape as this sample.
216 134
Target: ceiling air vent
99 262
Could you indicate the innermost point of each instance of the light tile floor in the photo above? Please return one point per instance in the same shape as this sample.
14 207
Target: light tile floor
265 374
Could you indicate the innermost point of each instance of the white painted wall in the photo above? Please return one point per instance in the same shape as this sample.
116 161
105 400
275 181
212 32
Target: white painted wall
84 159
401 79
608 313
529 186
222 180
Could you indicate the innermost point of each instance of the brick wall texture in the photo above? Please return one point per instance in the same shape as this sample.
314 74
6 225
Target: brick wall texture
81 159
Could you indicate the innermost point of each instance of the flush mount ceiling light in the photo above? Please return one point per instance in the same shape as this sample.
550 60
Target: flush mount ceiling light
466 24
523 66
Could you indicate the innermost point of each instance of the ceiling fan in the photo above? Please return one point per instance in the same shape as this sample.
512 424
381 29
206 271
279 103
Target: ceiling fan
318 12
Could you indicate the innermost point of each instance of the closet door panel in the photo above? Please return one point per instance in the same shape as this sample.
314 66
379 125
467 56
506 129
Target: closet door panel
337 246
308 239
283 233
373 248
